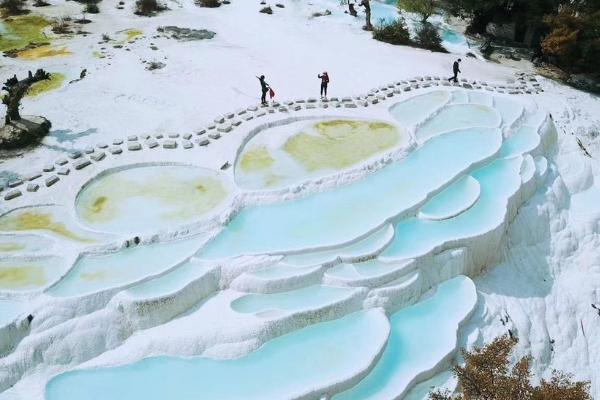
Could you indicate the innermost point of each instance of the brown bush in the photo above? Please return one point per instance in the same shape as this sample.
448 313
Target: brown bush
487 375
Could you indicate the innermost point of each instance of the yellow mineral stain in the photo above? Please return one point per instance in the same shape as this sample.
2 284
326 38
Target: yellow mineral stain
23 31
93 276
133 33
43 52
56 80
10 247
180 198
341 143
19 276
35 220
256 159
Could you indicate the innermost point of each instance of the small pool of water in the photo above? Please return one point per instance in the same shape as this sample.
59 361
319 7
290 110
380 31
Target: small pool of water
339 216
308 298
56 221
279 156
458 116
498 181
9 310
149 198
96 272
290 366
457 198
418 108
169 283
11 244
421 335
23 274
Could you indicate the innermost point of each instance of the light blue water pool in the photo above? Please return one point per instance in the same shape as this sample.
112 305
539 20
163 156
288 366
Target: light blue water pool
524 140
10 244
421 335
461 116
170 282
372 244
418 108
339 216
498 180
452 201
94 273
9 310
286 367
307 298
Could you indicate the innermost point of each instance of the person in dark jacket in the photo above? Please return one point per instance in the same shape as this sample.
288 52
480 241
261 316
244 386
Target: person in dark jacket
456 70
264 86
324 82
351 8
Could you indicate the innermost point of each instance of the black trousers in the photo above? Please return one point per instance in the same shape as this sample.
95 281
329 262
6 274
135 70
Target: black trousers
454 78
352 10
323 88
263 98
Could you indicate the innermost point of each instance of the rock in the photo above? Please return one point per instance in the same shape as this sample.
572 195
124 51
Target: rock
170 144
151 144
24 132
584 82
14 183
134 146
63 171
33 187
266 10
12 194
81 163
115 150
185 34
52 180
187 144
203 142
98 156
187 136
48 168
33 176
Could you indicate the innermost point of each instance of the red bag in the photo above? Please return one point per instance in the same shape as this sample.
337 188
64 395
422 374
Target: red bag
271 93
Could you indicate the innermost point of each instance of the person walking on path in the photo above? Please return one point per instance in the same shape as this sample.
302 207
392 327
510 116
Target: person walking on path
324 82
367 5
351 8
456 70
264 86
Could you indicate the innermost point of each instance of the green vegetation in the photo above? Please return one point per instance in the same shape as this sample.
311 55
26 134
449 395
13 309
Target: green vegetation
23 31
396 32
574 39
56 80
425 8
341 143
393 32
564 32
429 38
487 375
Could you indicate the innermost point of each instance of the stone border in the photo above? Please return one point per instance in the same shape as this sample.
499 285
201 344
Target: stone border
52 173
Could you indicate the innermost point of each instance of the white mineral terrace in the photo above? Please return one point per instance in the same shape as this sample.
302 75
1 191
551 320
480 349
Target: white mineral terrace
332 255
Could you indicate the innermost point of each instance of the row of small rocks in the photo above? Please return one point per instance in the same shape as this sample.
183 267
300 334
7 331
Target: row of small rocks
77 160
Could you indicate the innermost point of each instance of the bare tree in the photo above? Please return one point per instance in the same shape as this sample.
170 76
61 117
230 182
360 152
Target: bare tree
17 89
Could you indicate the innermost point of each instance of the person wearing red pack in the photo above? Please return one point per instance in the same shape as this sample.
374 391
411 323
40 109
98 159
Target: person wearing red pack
324 82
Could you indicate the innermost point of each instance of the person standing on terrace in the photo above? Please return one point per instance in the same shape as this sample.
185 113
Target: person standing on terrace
324 82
